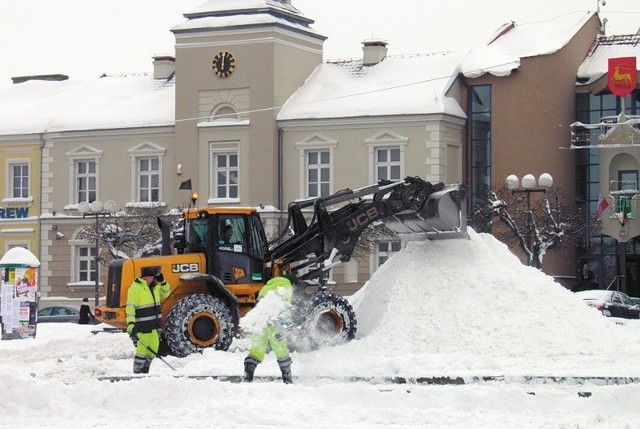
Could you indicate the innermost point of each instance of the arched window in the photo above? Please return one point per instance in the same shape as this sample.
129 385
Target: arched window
224 113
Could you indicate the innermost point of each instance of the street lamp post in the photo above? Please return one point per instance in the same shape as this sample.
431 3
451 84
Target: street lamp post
97 209
529 186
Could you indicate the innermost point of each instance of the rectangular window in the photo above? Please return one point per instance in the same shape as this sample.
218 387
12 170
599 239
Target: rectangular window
385 250
480 153
226 175
86 264
19 180
149 180
9 246
388 164
628 180
86 181
318 173
627 188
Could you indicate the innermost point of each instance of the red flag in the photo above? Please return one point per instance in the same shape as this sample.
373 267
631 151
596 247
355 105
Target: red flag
622 75
602 206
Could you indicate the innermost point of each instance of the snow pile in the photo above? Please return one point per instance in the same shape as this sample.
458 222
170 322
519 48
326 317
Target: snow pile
471 307
426 299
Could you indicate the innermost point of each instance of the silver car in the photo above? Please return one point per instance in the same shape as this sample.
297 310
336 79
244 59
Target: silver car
58 313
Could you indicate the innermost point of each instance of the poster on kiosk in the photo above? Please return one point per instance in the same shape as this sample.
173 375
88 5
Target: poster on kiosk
19 294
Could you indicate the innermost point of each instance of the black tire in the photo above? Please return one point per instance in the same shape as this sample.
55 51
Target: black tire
326 319
197 322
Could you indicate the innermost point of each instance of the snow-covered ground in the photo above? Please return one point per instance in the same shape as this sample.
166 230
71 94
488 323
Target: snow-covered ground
458 308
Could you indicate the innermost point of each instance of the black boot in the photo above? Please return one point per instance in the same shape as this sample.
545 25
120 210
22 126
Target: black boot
250 364
147 366
285 367
138 364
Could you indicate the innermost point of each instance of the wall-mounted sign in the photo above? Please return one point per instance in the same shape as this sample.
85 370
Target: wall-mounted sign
622 76
14 212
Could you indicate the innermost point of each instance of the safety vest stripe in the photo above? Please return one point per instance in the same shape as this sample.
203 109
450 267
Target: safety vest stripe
145 306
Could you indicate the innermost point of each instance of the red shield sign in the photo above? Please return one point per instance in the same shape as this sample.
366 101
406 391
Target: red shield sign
622 75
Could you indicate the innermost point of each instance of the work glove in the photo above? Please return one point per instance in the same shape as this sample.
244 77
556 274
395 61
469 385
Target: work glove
160 278
131 330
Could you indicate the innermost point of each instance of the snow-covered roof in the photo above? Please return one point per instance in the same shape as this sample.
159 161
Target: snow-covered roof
239 6
596 64
395 86
233 14
109 102
511 42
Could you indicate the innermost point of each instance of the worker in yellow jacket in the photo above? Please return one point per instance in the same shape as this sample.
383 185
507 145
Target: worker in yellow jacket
270 336
144 316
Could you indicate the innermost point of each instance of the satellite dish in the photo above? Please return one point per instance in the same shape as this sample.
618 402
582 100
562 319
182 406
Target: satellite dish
83 207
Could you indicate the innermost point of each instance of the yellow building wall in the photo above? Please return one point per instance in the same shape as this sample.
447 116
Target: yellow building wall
19 217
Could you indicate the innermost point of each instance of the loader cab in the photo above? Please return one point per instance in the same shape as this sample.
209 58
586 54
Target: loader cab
233 241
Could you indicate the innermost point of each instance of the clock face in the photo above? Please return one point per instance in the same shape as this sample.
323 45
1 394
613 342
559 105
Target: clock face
224 63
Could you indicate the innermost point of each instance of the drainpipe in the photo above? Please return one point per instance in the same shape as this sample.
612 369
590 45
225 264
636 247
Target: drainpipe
42 143
40 239
280 178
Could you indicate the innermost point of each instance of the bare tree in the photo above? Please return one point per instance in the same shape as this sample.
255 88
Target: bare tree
371 237
537 223
131 233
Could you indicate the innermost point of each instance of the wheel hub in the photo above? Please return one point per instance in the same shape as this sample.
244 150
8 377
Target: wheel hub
204 329
329 324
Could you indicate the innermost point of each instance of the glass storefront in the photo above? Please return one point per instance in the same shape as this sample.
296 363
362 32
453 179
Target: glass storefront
599 257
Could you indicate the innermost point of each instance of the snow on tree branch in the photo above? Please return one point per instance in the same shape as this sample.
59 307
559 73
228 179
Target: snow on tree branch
536 222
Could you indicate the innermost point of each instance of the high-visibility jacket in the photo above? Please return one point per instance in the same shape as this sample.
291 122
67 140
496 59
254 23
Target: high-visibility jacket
270 335
281 286
143 305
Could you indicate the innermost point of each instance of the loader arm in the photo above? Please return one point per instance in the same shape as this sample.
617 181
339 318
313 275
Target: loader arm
413 209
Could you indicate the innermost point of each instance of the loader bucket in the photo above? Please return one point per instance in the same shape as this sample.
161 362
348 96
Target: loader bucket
442 215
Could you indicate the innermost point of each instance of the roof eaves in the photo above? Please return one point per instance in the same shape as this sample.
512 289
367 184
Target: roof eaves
616 40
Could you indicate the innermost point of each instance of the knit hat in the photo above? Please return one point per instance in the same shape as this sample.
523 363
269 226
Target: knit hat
148 272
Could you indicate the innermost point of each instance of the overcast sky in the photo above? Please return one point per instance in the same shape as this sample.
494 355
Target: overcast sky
87 38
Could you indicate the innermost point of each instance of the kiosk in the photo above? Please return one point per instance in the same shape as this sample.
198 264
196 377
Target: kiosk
19 294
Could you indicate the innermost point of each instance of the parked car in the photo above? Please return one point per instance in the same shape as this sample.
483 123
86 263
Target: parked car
58 313
635 299
611 303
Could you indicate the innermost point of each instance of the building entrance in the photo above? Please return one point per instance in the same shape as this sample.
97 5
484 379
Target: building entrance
632 275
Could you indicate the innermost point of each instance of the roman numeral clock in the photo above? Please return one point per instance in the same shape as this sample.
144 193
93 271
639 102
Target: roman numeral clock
224 63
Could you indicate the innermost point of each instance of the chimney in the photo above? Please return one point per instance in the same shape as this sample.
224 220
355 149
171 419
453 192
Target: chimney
373 51
164 66
49 77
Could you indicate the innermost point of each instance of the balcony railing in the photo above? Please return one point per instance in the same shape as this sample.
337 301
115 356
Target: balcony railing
593 135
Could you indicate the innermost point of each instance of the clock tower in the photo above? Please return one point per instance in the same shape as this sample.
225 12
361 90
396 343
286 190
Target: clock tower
236 63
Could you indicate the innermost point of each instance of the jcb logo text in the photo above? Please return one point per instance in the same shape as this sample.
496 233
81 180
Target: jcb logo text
363 219
185 268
